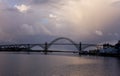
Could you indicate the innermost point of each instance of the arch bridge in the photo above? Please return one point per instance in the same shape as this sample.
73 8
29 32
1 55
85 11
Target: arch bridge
27 47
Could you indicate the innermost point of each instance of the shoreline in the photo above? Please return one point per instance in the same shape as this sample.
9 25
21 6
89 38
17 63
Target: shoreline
72 52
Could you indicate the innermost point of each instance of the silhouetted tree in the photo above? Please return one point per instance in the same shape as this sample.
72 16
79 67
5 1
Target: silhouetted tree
117 46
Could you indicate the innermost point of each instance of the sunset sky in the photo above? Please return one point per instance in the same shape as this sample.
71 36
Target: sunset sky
44 20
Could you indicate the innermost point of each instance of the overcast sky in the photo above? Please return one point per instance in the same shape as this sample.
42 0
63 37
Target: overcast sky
44 20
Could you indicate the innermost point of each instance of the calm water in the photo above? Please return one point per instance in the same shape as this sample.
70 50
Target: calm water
57 65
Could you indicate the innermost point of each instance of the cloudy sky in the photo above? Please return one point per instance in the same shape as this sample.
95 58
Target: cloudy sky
44 20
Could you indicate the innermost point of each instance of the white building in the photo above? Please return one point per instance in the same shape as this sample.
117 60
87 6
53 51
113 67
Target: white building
110 50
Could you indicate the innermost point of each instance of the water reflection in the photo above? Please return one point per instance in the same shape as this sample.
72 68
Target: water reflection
57 65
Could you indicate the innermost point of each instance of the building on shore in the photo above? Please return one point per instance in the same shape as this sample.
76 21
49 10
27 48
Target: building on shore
111 49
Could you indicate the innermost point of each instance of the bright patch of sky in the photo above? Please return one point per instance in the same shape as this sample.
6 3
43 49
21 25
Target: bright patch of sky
22 8
98 32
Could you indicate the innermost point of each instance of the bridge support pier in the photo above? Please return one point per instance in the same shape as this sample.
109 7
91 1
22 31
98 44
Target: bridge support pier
80 48
46 48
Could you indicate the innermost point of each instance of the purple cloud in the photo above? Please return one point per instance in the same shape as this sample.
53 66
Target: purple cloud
42 20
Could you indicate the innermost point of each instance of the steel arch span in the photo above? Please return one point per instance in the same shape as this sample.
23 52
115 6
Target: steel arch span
89 45
63 38
34 45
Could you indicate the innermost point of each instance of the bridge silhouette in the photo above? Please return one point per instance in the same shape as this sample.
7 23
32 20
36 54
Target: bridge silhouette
45 46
